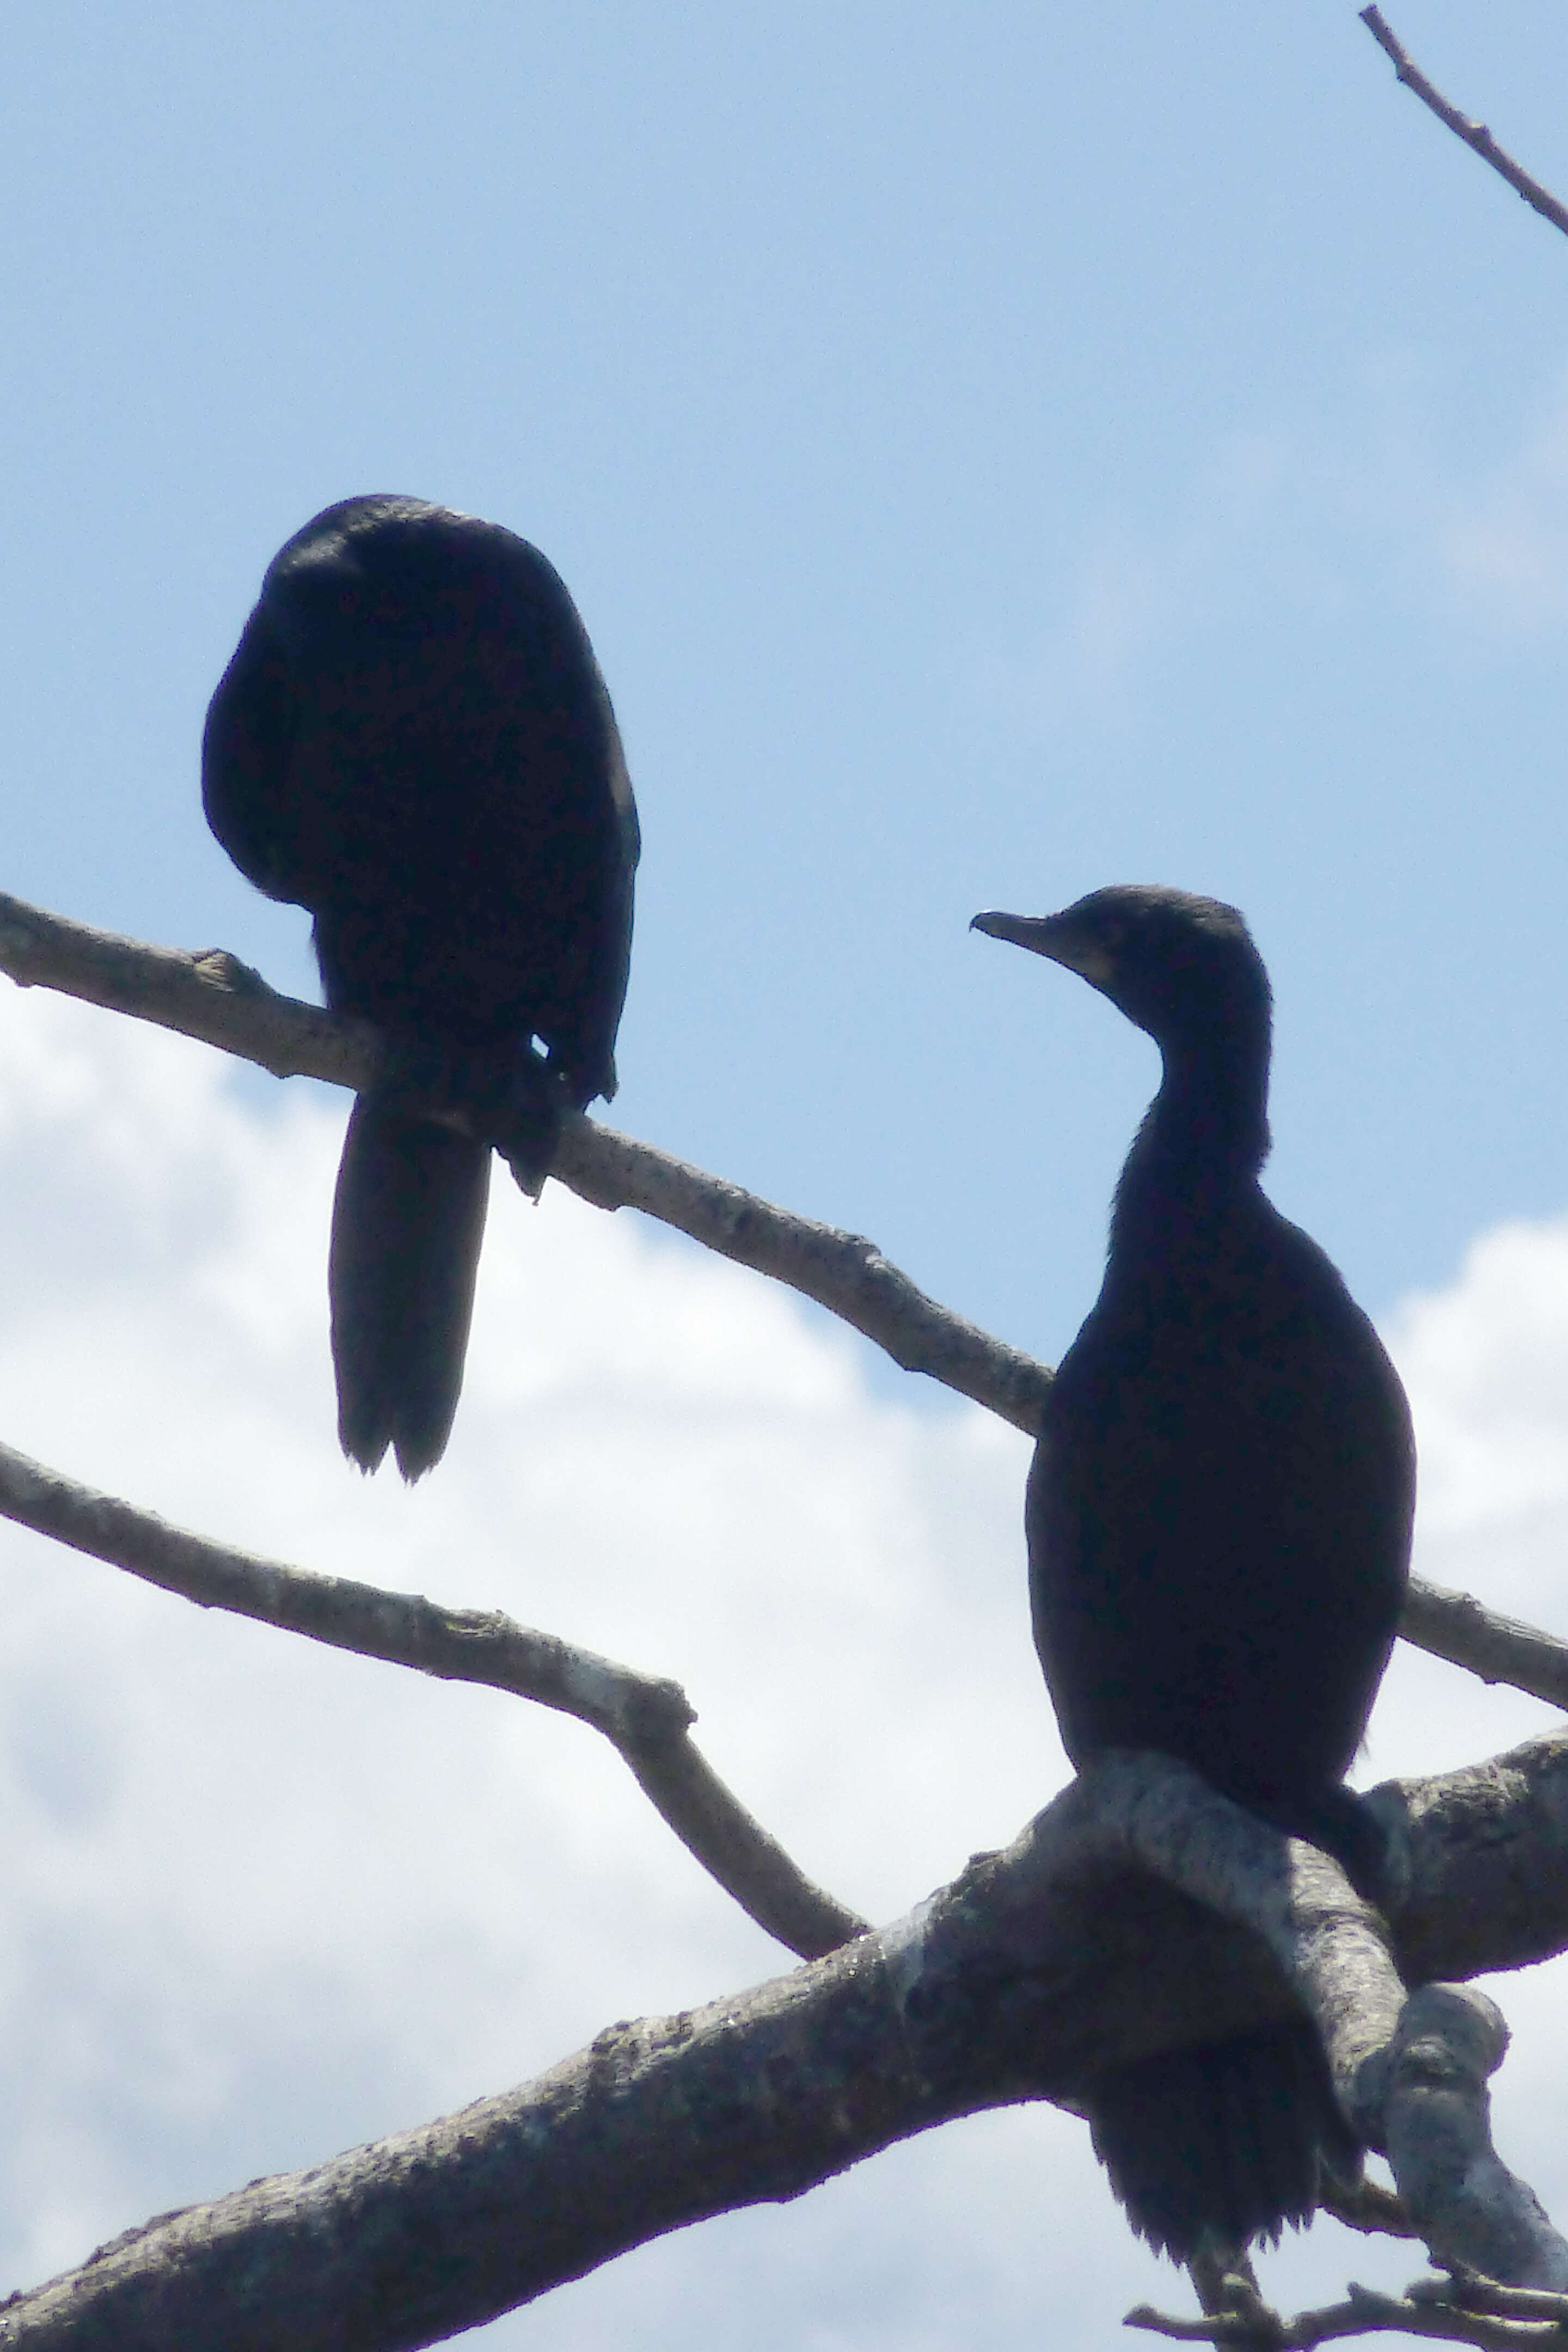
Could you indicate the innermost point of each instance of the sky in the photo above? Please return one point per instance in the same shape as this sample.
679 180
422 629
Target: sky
994 456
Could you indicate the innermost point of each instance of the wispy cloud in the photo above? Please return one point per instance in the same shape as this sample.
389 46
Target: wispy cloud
1505 539
1323 519
1137 585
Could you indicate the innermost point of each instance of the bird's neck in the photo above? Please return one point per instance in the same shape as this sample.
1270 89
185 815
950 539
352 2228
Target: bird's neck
1202 1142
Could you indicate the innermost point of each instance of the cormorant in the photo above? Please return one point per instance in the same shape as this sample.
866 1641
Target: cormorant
1218 1520
413 740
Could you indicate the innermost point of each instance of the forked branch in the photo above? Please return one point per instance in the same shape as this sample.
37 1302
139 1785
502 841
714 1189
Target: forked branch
1462 2308
644 1717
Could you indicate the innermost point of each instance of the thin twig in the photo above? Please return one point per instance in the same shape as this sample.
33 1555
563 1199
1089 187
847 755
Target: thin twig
214 997
1471 2292
1474 135
1430 2308
643 1716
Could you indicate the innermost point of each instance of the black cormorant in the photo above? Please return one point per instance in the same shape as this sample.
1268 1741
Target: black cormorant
414 741
1218 1520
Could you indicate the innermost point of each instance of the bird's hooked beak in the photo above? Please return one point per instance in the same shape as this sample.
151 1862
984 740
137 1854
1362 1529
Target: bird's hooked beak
1064 938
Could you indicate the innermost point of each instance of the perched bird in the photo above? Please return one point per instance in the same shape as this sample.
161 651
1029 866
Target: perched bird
414 741
1218 1520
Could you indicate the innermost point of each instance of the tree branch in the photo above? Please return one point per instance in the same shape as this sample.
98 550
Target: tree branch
1409 2072
1431 2309
1375 2211
990 1992
643 1716
214 997
1496 1649
1474 135
1463 2308
1436 2134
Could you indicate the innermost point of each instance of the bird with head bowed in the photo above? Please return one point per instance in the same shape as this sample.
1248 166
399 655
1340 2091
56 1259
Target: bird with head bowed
413 740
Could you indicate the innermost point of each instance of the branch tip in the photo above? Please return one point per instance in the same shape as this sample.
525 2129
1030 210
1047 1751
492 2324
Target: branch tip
1475 135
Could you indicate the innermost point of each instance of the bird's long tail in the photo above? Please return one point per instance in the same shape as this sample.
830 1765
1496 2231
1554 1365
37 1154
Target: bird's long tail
1227 2140
407 1223
1221 2142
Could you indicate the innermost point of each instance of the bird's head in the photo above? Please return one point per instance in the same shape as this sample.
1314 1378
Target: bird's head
1182 967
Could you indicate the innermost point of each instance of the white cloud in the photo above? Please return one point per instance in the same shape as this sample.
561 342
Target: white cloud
1360 510
1140 584
266 1901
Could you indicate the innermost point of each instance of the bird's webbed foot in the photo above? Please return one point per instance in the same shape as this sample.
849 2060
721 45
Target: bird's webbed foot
507 1094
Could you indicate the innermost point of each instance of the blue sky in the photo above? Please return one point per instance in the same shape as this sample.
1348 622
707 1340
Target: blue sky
994 455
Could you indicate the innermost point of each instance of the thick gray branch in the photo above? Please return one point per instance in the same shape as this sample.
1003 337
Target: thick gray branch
1329 1947
644 1717
1465 2204
994 1990
1410 2073
214 997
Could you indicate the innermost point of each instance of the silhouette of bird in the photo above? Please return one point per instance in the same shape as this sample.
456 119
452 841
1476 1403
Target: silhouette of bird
413 740
1218 1520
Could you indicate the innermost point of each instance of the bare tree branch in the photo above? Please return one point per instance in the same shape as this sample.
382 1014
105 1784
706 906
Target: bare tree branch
1377 2213
1436 2134
1474 135
1409 2072
1364 2312
1497 1895
1330 1948
1475 2293
1463 2308
214 997
993 1991
1496 1649
643 1716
